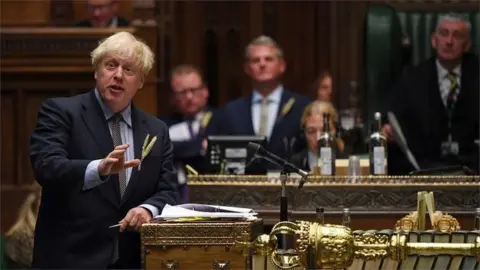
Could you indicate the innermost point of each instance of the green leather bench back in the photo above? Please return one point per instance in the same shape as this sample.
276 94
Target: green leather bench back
394 40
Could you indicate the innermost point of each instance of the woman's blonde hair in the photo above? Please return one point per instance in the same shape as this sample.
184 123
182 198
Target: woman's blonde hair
126 45
318 108
19 238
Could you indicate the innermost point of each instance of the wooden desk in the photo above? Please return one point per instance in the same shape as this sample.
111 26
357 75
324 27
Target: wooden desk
375 203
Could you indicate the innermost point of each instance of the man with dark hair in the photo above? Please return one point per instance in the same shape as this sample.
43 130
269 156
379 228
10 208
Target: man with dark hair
437 102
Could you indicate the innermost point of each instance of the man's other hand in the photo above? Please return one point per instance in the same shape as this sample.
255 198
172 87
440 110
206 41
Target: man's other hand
115 161
388 132
135 218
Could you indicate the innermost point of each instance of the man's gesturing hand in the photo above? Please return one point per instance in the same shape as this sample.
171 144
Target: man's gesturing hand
135 218
115 161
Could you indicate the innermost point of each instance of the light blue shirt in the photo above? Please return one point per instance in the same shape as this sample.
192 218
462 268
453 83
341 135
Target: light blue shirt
312 160
92 178
274 99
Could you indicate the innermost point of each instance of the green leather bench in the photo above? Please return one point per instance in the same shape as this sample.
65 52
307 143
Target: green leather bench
394 40
417 262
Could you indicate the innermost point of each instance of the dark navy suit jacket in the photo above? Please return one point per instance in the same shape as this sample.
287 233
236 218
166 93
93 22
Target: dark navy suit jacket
235 118
190 152
72 226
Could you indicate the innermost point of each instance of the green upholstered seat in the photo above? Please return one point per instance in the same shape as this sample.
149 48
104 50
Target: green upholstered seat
394 40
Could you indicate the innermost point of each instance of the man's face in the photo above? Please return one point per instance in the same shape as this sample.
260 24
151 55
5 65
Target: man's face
264 65
324 91
101 12
451 40
313 128
190 95
118 80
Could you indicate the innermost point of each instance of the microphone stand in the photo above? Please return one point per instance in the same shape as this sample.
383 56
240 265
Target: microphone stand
283 244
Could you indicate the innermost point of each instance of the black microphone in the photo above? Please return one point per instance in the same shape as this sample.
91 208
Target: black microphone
260 152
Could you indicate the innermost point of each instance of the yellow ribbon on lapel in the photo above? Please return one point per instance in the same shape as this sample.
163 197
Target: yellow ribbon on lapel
288 106
206 119
147 147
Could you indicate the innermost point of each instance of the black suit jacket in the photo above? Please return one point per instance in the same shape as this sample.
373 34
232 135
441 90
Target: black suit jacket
236 119
121 22
190 152
417 103
72 226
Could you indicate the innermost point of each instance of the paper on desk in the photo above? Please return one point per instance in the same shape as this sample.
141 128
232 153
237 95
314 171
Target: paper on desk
204 210
179 132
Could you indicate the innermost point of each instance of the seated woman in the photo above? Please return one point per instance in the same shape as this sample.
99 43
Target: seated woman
312 124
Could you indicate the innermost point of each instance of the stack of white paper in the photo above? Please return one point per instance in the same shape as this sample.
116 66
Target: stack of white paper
204 210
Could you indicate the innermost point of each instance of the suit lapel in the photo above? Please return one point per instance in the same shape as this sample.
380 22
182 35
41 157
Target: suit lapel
97 125
276 134
246 109
140 131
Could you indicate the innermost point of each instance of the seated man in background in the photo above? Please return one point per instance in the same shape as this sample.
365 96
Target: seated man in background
103 13
437 103
312 125
188 126
270 110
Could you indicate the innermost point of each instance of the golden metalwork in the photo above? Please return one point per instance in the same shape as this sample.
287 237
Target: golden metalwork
446 223
340 181
335 246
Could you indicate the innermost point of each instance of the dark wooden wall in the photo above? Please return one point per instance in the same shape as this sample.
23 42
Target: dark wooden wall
315 35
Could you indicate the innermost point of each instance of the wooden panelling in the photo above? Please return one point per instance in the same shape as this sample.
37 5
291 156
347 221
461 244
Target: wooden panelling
9 137
24 12
125 9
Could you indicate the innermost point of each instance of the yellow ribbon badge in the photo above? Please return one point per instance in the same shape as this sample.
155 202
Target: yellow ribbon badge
147 147
206 119
288 106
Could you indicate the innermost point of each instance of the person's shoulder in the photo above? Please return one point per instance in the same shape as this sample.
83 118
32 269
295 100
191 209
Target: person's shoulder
171 119
299 98
471 60
83 23
66 103
234 104
122 22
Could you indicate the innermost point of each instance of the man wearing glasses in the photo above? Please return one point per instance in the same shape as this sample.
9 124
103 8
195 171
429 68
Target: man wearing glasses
190 124
103 13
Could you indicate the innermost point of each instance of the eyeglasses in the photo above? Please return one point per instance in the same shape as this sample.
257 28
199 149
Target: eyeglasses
184 92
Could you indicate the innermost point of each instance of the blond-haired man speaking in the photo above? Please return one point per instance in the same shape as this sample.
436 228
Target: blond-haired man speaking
101 161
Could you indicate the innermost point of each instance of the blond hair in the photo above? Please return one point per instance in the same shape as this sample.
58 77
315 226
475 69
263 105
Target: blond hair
263 41
318 108
126 45
19 238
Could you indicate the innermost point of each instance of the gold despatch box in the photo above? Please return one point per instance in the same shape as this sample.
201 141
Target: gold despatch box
198 245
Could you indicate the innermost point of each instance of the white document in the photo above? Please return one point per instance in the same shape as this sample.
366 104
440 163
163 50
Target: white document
205 210
179 132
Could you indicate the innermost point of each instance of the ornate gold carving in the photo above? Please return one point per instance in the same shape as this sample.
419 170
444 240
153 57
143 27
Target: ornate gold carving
446 223
314 180
370 243
198 233
443 223
335 246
